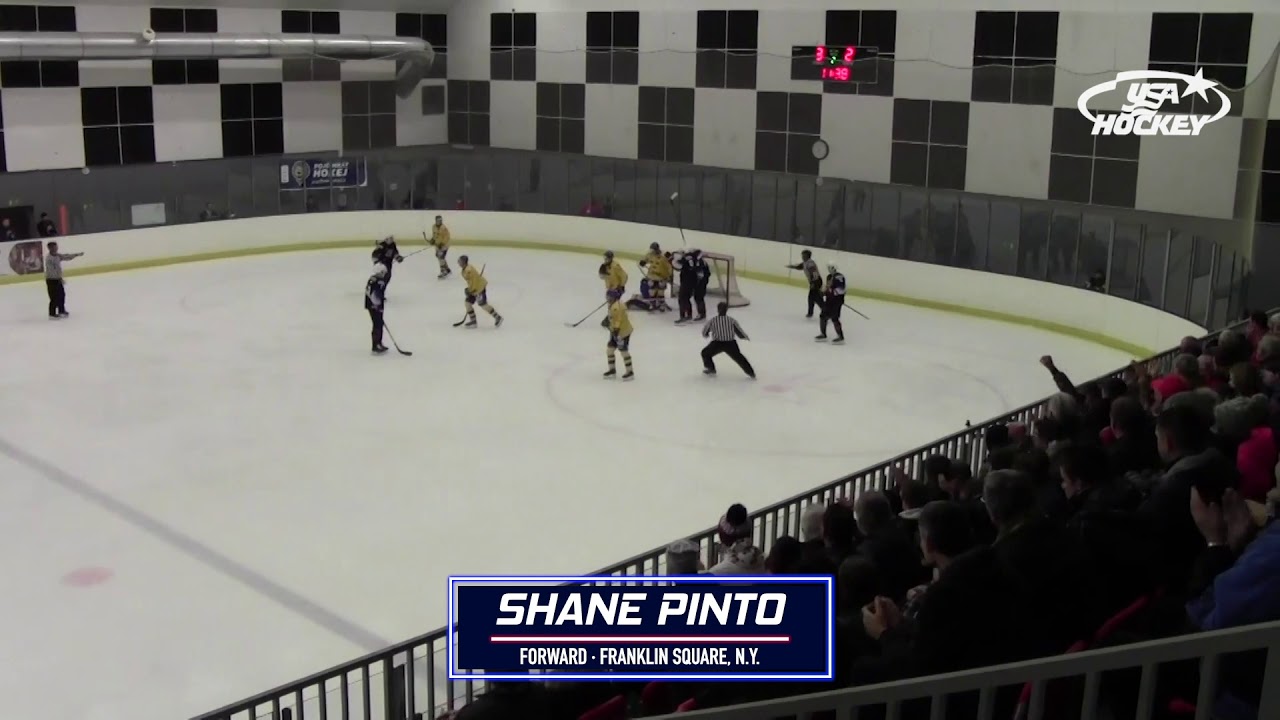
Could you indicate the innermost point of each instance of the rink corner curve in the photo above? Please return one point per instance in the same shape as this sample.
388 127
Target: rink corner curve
1104 340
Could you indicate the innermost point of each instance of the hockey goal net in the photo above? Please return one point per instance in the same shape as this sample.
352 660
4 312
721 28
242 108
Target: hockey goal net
724 280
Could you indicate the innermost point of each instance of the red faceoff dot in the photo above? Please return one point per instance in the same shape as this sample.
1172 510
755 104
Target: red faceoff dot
87 577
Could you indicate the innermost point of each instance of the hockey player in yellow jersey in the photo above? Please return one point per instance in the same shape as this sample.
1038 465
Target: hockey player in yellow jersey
658 272
477 293
611 272
619 326
440 239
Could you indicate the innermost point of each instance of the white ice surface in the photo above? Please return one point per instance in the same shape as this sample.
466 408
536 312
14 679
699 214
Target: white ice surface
271 500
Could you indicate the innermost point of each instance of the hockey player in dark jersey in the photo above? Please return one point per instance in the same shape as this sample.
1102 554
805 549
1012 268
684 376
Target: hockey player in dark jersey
695 274
375 301
832 303
813 276
385 253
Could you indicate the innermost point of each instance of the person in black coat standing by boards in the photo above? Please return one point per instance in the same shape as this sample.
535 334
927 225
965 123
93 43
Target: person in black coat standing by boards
695 274
45 228
724 332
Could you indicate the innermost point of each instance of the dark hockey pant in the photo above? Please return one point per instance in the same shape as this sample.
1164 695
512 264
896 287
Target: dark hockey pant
685 298
387 265
831 308
700 299
57 297
815 296
376 317
730 348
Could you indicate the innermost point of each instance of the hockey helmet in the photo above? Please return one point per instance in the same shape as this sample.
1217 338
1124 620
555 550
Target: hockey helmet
379 270
608 254
694 252
463 260
655 247
806 254
831 268
387 240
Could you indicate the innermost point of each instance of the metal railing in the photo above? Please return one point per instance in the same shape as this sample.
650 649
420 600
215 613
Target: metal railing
1047 676
412 677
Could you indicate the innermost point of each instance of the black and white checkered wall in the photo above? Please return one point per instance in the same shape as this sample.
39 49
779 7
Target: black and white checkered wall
961 100
975 101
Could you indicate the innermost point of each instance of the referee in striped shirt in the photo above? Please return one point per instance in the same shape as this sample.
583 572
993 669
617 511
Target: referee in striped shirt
53 280
724 332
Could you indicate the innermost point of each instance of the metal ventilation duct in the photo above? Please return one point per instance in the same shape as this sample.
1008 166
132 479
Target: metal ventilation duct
415 55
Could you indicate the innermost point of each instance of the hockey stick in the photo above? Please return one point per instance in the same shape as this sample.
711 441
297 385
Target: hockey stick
864 317
394 344
588 316
679 225
464 317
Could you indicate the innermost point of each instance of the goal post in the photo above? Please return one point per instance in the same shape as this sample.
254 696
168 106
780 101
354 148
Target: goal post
723 284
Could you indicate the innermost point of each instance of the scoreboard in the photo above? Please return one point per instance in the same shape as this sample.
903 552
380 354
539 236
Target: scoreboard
836 64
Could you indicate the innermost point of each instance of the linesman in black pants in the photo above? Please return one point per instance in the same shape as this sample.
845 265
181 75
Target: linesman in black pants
53 280
724 332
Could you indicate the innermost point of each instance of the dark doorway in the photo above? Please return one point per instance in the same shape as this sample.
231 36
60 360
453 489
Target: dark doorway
21 219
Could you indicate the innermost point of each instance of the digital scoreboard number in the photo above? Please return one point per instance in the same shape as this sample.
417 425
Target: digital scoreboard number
835 64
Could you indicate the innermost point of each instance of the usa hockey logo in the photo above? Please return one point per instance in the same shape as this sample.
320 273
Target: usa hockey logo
1158 103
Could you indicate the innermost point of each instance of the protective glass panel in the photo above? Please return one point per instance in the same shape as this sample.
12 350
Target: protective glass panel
972 234
1006 222
1155 253
1178 278
1064 236
884 221
943 220
911 225
1033 243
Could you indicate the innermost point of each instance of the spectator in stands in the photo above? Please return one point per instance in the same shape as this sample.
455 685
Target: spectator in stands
960 487
1245 380
1042 563
915 495
735 525
741 559
1202 400
1241 426
1238 579
1115 548
1214 379
966 618
949 535
887 545
683 558
1068 414
1134 447
1233 347
1185 377
1037 466
857 585
1190 346
839 532
786 556
1268 355
1259 325
811 538
1183 440
210 213
1093 398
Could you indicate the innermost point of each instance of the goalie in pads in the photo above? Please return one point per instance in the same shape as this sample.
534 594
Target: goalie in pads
653 288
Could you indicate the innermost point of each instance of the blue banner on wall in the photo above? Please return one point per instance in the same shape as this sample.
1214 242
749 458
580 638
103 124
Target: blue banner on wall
313 174
679 628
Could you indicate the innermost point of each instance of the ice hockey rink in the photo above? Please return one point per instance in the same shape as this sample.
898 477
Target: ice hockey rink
211 487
